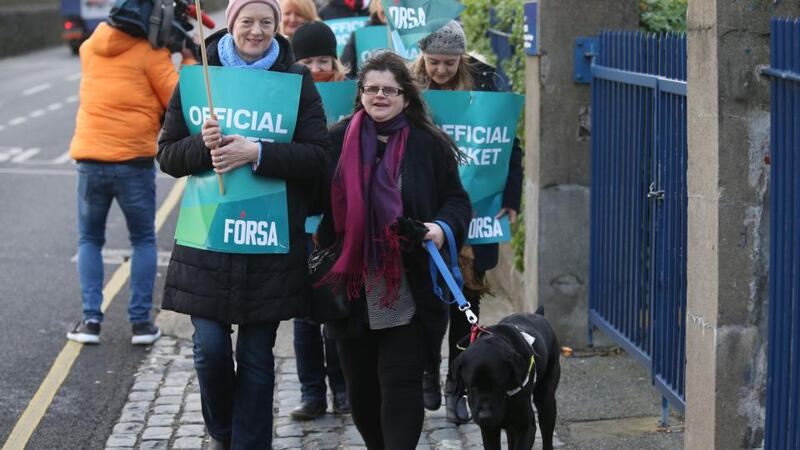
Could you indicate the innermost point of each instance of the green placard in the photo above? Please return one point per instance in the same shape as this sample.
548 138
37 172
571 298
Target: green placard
483 125
343 28
415 19
370 39
338 98
252 216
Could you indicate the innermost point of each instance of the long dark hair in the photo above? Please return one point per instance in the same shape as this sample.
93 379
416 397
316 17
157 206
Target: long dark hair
417 110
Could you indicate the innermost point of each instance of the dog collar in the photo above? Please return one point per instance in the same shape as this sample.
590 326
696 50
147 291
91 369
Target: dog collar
531 365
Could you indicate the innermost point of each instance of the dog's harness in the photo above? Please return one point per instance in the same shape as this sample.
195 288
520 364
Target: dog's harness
451 275
531 365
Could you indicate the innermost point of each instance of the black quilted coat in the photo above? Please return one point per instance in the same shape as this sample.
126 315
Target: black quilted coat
238 288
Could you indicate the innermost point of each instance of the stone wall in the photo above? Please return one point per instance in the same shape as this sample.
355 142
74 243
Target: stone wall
557 163
728 221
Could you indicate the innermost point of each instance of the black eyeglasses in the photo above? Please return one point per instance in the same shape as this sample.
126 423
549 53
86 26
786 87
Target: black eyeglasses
388 91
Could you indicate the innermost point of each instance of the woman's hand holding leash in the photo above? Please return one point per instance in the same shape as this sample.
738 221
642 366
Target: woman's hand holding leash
434 234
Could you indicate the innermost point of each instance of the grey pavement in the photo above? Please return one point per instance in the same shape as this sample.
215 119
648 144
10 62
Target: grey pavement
605 401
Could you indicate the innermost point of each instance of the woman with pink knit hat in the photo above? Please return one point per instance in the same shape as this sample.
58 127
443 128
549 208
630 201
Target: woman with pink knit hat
254 291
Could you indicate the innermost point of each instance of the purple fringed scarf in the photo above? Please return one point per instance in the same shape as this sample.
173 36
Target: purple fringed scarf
366 203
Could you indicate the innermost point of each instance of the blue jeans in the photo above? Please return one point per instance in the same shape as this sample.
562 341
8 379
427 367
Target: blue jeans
316 357
237 403
134 188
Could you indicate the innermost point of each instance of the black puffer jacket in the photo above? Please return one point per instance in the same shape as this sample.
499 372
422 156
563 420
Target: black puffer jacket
431 190
484 78
238 288
349 53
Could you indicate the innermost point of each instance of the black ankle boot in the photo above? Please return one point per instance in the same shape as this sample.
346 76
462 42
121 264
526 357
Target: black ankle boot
308 410
216 444
431 390
340 403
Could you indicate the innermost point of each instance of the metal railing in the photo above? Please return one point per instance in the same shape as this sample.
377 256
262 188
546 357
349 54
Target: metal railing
783 372
637 291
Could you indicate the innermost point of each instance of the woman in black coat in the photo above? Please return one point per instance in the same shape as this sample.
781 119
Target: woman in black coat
444 65
377 17
394 169
255 291
337 9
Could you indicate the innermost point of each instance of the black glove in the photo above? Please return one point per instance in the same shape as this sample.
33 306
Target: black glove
411 233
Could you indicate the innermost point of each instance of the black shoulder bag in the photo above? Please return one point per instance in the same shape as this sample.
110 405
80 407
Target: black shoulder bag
328 303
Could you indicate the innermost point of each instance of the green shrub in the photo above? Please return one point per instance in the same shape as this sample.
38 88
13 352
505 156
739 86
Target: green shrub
655 16
659 16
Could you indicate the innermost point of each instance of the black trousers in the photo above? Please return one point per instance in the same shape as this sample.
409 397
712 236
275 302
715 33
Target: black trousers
383 374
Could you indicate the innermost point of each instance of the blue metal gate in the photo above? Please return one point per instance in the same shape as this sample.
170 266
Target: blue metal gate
637 290
783 372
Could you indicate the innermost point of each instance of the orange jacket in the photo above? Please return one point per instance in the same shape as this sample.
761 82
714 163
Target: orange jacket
125 88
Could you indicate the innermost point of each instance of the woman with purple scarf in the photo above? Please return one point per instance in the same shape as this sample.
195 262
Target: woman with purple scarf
395 175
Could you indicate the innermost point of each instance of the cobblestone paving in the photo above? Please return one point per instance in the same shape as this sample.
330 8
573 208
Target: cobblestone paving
163 412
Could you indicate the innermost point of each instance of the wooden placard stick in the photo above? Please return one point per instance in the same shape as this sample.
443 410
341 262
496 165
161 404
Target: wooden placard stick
199 13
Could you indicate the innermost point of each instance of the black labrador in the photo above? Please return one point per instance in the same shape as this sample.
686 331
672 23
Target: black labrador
507 366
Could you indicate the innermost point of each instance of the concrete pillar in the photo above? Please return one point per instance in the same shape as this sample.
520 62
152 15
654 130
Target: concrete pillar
728 221
557 162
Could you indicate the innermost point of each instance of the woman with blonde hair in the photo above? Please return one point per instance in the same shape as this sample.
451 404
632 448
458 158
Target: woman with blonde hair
296 13
314 46
444 65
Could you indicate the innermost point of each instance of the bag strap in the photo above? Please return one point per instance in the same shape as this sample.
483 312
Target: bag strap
451 275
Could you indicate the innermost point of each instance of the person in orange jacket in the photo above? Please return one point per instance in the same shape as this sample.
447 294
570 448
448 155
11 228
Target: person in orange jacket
125 87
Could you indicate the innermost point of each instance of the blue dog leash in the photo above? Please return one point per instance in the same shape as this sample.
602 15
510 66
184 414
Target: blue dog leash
454 269
451 275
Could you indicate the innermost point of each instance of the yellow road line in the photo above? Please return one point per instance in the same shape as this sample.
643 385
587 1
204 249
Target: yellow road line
170 202
62 365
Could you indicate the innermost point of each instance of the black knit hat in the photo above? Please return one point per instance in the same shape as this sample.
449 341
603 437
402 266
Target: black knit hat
313 39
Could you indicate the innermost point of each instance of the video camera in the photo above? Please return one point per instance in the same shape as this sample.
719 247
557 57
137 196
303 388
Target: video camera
164 23
179 36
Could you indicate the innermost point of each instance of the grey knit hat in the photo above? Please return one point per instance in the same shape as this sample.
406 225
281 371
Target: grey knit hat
448 40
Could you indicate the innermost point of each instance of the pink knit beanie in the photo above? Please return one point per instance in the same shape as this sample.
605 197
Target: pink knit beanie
234 6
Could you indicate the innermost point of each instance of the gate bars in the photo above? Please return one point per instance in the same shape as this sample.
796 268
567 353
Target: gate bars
783 371
637 291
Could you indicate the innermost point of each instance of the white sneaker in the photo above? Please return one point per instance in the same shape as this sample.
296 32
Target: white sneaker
85 332
144 333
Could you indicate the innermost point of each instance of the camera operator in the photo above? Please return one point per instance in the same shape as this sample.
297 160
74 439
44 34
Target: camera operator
126 85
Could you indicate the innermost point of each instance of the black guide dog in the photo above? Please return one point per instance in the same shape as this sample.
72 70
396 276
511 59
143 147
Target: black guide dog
507 366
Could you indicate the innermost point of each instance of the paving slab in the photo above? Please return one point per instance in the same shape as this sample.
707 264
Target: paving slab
605 402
